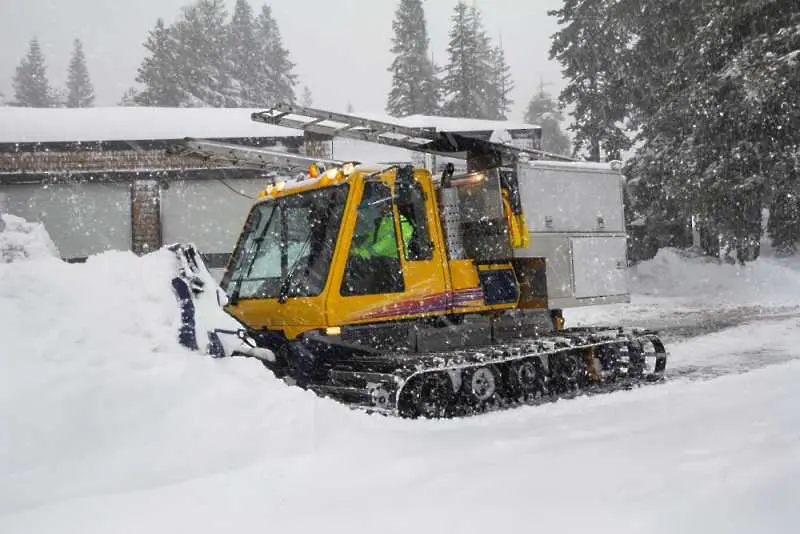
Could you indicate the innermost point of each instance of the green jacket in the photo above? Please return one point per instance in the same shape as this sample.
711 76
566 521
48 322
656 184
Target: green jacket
383 242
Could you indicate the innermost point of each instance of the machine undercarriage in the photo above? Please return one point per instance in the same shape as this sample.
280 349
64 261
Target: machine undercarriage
470 380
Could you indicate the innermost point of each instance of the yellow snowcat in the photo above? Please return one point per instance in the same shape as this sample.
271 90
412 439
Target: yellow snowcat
396 290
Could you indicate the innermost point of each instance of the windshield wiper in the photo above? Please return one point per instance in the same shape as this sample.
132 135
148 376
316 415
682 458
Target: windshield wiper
253 254
283 291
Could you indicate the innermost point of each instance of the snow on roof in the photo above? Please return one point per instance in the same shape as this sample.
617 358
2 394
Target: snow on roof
38 125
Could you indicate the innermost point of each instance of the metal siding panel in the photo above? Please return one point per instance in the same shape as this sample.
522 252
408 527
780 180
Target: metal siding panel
571 200
600 266
82 219
207 213
558 257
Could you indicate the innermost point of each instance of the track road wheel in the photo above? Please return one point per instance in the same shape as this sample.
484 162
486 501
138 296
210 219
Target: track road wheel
483 386
528 378
569 373
610 360
429 395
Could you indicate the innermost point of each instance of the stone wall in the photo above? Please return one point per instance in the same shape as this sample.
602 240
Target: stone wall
87 161
145 216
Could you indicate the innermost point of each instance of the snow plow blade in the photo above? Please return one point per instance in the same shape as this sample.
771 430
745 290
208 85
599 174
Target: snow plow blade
205 327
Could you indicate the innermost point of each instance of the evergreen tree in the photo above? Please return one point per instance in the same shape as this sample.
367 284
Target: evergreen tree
307 99
243 52
784 212
720 119
129 98
415 88
466 83
544 111
203 60
202 63
31 87
275 78
499 98
80 93
159 71
589 45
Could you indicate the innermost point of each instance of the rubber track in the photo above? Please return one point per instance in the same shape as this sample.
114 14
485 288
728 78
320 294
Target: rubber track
568 342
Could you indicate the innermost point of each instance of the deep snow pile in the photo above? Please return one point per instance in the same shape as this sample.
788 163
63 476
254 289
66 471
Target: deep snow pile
20 240
769 281
108 425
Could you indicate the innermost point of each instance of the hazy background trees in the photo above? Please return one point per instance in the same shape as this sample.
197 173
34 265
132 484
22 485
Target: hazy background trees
206 60
475 82
80 93
545 111
415 87
32 86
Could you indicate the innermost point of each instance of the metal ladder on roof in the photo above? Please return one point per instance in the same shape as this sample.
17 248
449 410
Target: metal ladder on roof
428 140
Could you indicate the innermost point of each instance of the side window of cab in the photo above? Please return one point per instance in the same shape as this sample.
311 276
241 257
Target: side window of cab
373 263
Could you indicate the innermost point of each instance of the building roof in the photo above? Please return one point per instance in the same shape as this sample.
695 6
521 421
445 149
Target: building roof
46 125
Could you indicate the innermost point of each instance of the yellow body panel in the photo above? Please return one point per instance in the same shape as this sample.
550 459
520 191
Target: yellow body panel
434 286
424 281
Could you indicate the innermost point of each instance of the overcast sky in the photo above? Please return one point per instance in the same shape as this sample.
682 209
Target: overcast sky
341 47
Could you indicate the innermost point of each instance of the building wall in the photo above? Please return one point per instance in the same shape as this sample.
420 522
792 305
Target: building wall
208 214
82 218
137 195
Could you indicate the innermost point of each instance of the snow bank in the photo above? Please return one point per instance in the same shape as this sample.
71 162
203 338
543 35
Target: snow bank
21 240
767 281
98 396
108 425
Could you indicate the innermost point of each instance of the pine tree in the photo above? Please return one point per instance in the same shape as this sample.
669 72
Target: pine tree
202 64
307 99
31 87
719 113
501 85
275 78
466 84
129 98
243 51
589 46
784 213
80 93
544 112
415 88
159 72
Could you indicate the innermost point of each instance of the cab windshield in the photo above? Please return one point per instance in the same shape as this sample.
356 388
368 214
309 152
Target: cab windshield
287 246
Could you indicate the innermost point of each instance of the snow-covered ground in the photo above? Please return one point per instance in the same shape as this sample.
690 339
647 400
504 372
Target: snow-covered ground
108 425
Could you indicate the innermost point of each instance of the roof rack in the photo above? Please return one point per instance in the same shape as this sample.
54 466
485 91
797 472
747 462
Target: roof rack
427 140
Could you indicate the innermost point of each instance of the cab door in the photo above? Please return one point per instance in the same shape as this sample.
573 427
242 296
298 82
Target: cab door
427 283
390 274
